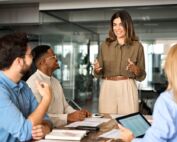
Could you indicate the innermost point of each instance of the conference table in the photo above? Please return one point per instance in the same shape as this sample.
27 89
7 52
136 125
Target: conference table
105 127
93 136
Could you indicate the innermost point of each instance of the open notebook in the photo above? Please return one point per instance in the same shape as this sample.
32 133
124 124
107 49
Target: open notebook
58 134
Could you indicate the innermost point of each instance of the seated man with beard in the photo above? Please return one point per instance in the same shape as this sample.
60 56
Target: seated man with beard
22 118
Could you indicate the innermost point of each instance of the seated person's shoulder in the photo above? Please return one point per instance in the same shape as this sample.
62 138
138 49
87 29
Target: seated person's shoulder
56 80
166 94
32 81
166 100
24 83
4 93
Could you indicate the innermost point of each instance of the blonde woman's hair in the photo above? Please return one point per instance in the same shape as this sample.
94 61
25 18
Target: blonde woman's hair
171 70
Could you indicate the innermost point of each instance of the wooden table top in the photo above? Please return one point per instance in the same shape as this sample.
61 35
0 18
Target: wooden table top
93 136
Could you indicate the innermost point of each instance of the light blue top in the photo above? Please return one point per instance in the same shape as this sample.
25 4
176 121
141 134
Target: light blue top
16 104
164 126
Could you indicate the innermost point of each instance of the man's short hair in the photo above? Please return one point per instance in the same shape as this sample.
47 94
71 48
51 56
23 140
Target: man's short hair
12 46
39 51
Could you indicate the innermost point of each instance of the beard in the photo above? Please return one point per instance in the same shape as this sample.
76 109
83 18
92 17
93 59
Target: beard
25 69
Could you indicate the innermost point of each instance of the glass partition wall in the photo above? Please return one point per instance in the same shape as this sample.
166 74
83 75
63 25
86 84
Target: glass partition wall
76 48
76 45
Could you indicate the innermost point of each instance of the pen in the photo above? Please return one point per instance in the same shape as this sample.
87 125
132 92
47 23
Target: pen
77 106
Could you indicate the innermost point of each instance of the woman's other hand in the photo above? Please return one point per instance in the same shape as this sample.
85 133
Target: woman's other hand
133 68
97 67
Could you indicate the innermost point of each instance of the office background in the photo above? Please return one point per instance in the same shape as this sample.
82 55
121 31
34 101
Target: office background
75 29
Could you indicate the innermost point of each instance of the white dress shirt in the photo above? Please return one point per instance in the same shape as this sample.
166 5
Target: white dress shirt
58 108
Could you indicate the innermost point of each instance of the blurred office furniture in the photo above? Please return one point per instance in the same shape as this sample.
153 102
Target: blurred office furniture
147 101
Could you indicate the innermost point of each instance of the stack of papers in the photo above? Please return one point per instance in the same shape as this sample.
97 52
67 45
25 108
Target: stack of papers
112 134
56 140
95 119
58 134
113 116
91 122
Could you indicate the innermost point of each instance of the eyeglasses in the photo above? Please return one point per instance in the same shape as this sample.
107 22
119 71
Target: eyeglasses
51 57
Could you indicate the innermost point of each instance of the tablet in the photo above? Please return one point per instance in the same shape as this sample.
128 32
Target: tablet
136 122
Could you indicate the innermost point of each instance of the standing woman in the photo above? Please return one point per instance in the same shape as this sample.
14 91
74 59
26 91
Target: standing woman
119 63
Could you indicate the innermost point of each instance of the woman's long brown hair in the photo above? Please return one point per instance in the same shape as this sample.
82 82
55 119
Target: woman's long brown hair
127 24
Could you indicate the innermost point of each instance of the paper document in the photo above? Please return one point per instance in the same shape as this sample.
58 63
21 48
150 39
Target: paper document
92 122
83 123
58 134
57 141
113 134
113 116
94 119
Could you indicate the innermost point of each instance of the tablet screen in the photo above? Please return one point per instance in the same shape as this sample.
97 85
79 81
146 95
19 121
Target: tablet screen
135 122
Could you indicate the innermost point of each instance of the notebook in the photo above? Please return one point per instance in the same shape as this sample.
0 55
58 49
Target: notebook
62 134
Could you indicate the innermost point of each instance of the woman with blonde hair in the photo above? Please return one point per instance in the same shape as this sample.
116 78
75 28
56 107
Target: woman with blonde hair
164 126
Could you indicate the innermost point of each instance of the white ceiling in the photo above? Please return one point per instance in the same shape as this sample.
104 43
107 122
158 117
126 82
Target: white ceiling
151 22
153 19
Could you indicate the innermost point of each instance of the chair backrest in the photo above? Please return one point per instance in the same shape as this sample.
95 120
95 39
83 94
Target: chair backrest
148 94
148 99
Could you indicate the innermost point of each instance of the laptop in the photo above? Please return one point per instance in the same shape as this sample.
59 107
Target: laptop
136 122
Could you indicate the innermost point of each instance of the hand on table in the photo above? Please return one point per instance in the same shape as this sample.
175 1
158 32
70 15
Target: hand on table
78 115
39 131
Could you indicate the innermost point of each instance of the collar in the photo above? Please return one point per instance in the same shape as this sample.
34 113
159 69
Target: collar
44 76
116 44
7 82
